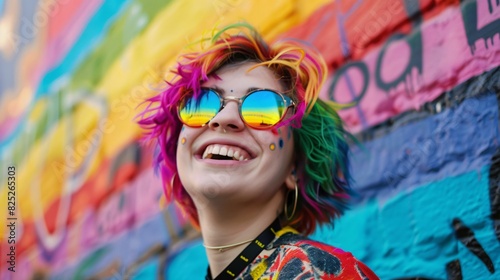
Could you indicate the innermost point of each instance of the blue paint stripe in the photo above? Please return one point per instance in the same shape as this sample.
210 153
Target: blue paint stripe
408 235
411 234
453 142
93 33
192 258
91 36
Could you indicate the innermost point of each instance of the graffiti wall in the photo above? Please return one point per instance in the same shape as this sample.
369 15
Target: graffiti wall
420 81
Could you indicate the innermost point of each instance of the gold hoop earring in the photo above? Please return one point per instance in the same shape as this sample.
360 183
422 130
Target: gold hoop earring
294 204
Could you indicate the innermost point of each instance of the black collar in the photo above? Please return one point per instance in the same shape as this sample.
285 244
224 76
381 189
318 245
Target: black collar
249 254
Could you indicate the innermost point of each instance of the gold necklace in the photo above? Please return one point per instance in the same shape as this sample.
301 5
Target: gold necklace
223 248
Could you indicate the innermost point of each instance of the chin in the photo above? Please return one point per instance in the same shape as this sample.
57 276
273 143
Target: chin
212 187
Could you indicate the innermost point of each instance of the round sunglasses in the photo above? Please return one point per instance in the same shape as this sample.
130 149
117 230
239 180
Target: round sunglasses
259 109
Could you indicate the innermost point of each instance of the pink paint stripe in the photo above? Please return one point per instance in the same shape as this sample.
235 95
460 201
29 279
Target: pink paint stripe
446 59
7 126
58 45
70 34
94 227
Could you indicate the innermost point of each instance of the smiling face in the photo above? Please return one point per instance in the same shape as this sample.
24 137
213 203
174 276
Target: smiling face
227 161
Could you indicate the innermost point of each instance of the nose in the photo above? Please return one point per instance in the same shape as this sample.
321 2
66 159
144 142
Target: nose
228 119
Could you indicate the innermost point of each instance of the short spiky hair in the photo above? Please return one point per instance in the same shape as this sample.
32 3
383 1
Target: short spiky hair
320 144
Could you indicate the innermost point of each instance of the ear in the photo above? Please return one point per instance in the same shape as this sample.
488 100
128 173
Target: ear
291 178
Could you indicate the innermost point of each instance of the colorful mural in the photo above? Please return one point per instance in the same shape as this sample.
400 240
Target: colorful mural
420 81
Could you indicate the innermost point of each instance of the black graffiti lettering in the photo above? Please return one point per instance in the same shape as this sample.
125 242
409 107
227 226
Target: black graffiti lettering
415 60
473 33
359 65
414 41
466 236
412 8
490 5
454 270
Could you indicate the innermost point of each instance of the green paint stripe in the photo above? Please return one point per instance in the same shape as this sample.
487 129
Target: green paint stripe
89 74
129 26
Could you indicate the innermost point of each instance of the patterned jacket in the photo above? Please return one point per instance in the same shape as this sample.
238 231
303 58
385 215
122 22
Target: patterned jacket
298 257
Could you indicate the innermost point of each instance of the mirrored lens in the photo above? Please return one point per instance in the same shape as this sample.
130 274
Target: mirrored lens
262 109
199 111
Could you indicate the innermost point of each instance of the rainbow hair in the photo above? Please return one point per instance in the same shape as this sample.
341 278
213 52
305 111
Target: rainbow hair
320 139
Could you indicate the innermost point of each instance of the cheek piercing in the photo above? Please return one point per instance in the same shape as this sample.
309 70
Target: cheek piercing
183 141
272 147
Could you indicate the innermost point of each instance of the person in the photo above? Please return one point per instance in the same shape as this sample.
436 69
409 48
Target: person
253 156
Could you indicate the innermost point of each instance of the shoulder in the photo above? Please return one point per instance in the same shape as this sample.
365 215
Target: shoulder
300 257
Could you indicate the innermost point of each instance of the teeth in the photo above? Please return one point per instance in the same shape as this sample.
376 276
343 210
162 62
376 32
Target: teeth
216 150
208 152
234 152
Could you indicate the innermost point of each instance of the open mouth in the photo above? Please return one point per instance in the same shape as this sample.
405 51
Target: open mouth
225 152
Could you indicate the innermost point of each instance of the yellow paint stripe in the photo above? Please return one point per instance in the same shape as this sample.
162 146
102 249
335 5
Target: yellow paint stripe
127 79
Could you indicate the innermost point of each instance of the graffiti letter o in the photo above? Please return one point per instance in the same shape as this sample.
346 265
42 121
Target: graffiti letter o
361 66
415 43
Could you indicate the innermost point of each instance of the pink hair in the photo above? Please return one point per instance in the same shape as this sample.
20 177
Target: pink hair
305 71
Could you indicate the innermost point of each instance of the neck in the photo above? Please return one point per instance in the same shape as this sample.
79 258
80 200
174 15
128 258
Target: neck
225 225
